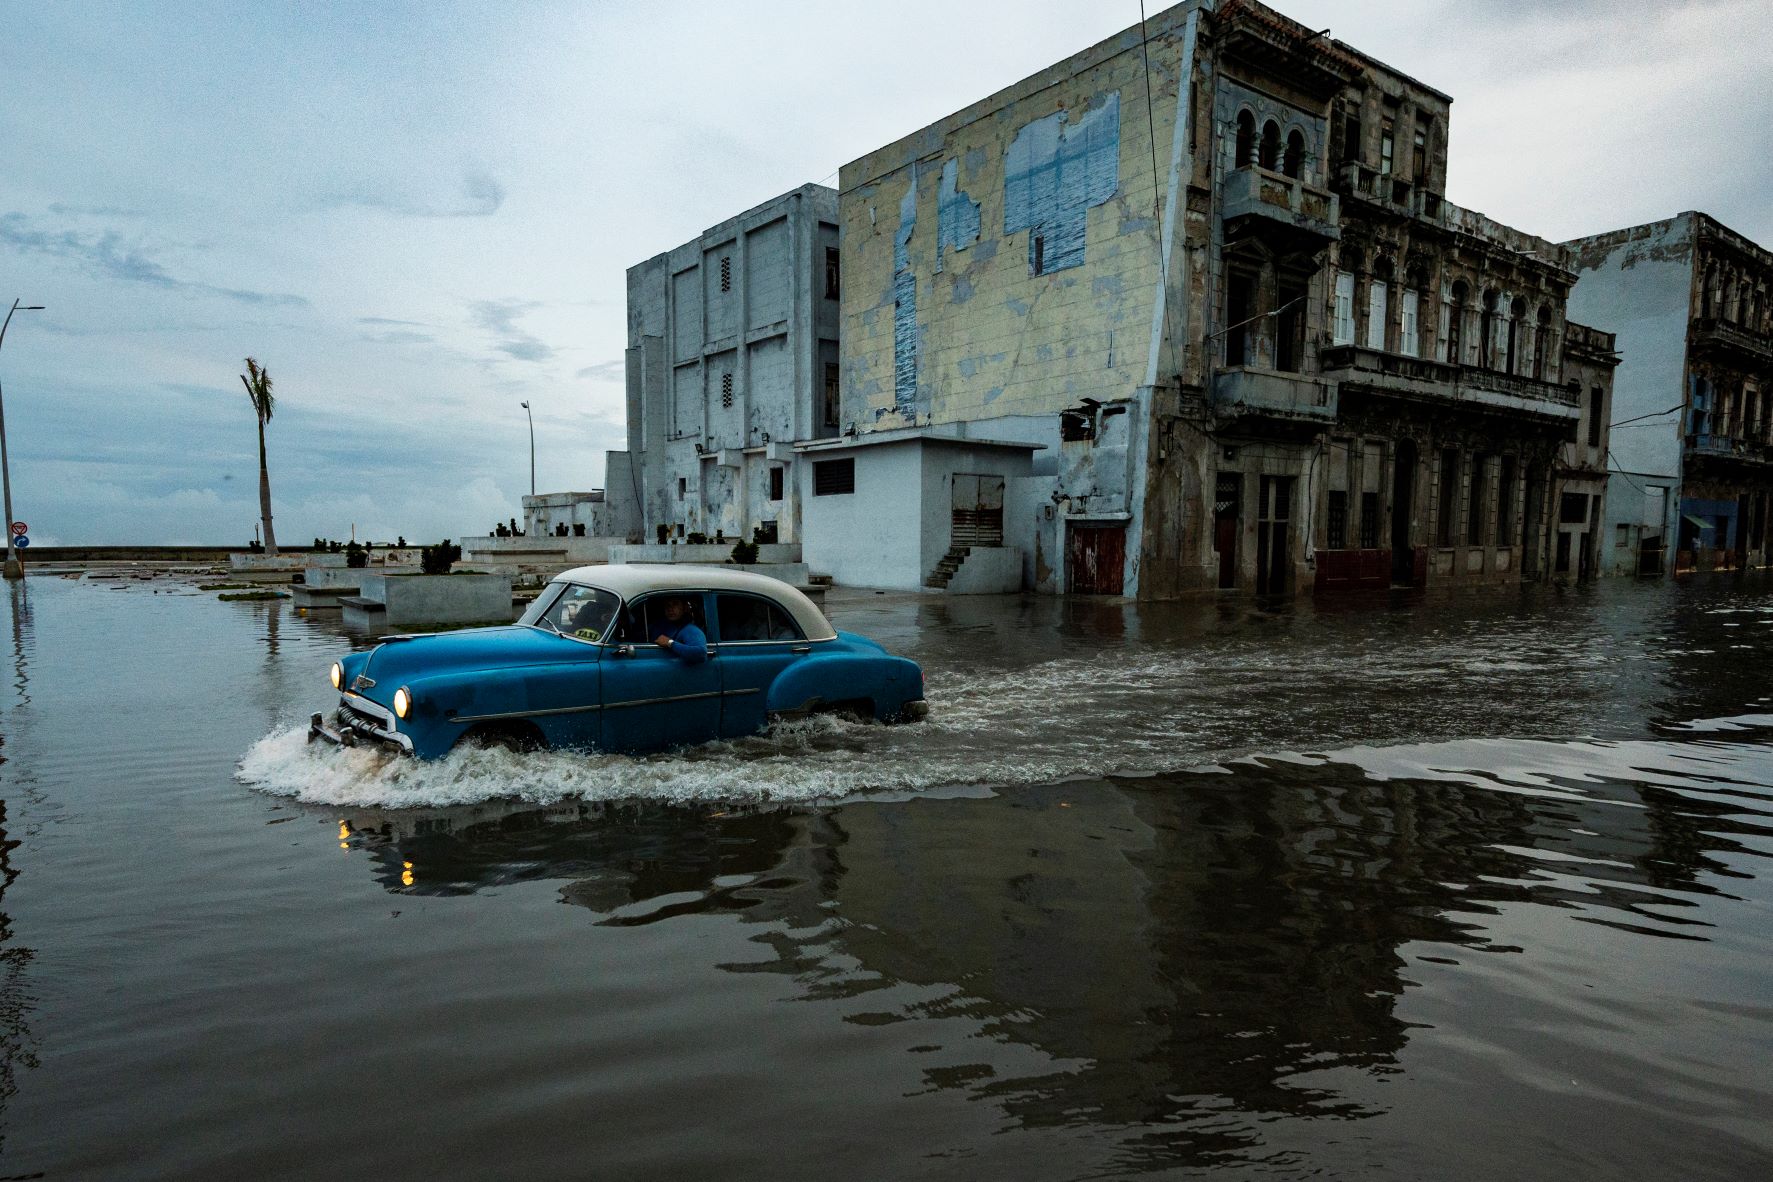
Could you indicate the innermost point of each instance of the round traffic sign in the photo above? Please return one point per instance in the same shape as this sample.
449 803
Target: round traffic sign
21 541
20 529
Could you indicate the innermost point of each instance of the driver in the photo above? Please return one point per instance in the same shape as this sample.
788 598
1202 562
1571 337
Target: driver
679 635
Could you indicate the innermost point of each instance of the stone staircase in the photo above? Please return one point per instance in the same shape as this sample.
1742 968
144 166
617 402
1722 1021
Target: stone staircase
944 572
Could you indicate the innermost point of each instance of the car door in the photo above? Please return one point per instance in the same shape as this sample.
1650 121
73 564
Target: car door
758 639
651 698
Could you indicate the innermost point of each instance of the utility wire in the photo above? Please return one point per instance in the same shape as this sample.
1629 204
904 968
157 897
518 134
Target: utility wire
1654 415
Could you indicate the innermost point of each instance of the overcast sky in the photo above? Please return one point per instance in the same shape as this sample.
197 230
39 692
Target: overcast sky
419 215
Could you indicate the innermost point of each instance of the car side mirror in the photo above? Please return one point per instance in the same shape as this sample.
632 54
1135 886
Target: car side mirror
624 650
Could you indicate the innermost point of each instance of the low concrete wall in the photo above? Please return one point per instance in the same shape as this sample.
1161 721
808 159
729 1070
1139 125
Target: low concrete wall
538 550
435 599
989 570
716 552
343 576
293 560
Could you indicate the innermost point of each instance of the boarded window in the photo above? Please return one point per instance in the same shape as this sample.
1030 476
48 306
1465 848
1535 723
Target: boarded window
832 478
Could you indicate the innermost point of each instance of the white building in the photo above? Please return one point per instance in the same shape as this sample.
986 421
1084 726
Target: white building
732 357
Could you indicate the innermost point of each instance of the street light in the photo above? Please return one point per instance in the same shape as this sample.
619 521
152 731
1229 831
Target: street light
14 568
532 450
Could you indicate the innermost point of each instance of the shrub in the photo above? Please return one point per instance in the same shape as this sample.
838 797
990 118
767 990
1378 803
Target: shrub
697 539
436 560
356 556
745 553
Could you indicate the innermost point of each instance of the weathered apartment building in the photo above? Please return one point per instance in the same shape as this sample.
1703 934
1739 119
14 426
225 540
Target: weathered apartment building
731 359
1693 399
1190 311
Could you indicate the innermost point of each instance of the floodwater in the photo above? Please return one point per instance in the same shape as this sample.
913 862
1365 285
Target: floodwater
1459 888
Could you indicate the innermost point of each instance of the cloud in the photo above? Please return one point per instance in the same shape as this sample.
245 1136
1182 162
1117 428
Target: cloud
107 256
499 317
398 336
94 211
604 371
395 323
480 196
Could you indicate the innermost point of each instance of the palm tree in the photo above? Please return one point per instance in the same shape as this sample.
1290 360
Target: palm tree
257 381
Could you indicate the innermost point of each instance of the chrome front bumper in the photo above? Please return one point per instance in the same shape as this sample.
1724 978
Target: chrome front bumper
358 721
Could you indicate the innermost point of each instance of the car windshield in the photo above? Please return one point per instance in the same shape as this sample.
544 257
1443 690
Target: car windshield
583 613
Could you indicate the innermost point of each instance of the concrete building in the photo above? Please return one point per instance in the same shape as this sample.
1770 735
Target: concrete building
731 358
1579 543
1206 276
1692 448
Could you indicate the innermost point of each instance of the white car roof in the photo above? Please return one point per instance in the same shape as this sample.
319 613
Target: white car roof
631 579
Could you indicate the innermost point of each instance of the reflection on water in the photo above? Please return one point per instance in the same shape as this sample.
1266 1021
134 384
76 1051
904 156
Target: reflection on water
1192 956
15 998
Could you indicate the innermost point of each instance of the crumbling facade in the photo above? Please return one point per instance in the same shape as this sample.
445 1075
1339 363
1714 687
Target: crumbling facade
1206 272
1692 471
732 357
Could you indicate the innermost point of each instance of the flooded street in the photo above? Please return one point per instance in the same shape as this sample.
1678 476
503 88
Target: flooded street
1456 888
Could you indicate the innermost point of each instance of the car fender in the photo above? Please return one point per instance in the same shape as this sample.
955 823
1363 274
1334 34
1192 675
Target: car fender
887 682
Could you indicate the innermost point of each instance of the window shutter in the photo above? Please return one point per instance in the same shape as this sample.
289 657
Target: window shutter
1409 345
1344 308
1376 313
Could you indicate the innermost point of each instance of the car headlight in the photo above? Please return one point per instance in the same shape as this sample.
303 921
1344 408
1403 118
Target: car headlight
402 702
338 676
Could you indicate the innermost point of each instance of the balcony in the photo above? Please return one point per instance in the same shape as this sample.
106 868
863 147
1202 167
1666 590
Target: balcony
1425 379
1258 200
1270 394
1712 334
1726 450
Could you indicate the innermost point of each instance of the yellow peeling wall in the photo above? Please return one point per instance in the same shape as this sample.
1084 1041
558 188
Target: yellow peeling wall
991 339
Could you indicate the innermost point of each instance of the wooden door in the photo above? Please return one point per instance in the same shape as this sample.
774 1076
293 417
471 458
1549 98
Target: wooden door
1095 559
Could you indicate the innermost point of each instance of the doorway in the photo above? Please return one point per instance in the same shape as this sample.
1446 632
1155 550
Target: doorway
978 510
1095 559
1273 556
1227 515
1403 491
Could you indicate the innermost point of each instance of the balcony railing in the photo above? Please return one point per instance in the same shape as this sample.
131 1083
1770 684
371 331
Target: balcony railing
1403 195
1712 332
1253 192
1425 377
1273 394
1724 447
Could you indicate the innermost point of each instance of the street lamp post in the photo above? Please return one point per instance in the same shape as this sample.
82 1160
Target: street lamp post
14 568
532 450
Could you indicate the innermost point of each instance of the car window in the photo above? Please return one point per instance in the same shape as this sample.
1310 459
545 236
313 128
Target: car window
581 612
541 603
750 617
644 618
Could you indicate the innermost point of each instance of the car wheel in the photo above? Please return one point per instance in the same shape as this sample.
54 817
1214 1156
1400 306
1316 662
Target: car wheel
520 737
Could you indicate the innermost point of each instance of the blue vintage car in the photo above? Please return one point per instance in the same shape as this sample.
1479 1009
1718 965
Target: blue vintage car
581 669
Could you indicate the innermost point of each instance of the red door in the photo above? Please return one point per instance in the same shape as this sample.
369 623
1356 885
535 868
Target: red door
1095 558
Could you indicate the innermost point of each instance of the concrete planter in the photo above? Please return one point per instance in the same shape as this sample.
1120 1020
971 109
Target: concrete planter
398 601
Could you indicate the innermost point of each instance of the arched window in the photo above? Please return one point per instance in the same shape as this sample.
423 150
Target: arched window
1486 351
1271 145
1517 317
1294 162
1541 339
1456 323
1246 138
